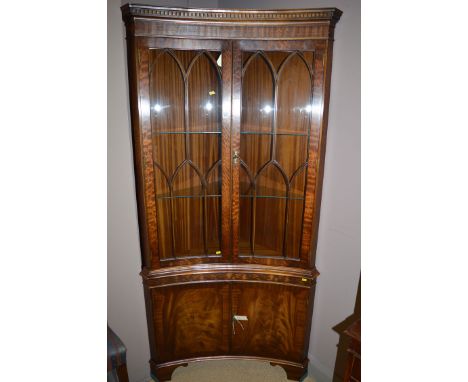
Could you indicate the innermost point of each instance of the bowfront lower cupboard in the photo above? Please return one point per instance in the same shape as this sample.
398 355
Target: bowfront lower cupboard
229 116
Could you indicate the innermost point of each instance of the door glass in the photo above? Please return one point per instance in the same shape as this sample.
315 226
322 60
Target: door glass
185 96
274 136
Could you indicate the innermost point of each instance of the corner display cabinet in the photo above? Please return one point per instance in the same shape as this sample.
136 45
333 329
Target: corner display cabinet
229 119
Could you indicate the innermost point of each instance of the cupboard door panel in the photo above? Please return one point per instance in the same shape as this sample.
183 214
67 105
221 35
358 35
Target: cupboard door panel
277 320
191 320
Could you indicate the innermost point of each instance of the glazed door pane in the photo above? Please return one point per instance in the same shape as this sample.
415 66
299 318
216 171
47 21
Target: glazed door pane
276 94
185 118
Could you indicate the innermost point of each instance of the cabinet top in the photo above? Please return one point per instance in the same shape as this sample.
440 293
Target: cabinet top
232 15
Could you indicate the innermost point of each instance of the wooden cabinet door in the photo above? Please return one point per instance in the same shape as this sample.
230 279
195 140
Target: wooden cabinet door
277 321
184 121
276 134
190 321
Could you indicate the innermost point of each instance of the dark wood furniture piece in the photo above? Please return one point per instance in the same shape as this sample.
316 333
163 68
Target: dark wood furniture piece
353 365
116 358
229 118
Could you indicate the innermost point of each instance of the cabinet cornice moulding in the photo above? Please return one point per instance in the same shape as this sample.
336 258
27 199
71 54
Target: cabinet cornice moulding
241 15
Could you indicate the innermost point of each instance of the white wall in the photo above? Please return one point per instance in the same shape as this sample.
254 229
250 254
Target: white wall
125 307
338 253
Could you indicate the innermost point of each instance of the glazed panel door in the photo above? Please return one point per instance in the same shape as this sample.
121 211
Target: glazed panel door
277 109
185 117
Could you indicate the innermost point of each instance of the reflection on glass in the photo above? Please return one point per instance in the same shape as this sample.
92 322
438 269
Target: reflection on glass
267 109
166 92
208 106
204 100
257 96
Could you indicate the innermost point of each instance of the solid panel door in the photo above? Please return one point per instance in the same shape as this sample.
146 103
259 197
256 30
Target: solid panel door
182 85
190 320
276 325
276 149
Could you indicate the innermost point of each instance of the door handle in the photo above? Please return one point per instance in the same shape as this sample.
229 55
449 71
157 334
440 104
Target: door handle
238 319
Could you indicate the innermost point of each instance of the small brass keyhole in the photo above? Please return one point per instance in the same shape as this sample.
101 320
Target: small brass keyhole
235 157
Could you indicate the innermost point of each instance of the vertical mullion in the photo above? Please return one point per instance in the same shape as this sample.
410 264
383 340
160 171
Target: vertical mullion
188 156
236 70
171 199
204 219
306 170
253 220
142 68
309 233
186 118
251 201
286 211
275 113
226 167
273 146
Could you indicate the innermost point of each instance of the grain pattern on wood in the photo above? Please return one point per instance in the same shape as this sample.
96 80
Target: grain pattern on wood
190 321
313 186
233 32
226 198
229 116
277 320
327 64
204 273
133 79
147 154
235 144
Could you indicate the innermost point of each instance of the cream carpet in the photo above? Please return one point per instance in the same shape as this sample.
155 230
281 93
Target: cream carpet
231 371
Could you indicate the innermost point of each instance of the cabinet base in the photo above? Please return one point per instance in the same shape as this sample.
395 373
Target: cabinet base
296 371
163 372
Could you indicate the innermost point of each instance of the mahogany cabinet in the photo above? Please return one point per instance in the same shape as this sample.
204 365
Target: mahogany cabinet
229 119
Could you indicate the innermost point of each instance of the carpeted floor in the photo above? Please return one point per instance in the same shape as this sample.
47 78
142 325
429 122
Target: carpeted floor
231 371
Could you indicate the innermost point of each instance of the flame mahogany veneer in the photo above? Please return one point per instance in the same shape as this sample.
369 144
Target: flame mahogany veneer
229 114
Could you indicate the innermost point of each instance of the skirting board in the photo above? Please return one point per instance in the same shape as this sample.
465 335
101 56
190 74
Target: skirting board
318 371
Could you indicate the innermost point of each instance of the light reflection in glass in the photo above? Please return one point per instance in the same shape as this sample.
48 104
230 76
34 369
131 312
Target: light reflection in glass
208 106
267 109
